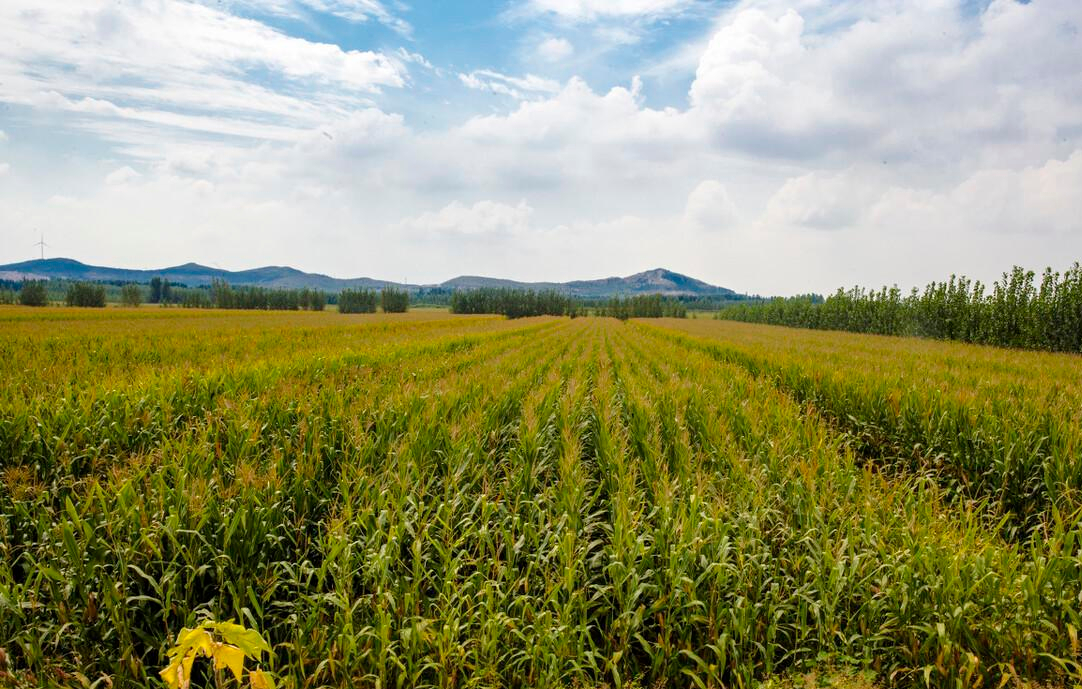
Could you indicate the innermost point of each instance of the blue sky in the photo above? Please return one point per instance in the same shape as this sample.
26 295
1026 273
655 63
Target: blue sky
772 146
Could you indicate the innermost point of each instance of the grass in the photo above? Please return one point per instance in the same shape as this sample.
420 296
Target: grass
431 500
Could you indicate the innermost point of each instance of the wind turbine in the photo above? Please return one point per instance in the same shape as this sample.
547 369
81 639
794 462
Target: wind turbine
42 245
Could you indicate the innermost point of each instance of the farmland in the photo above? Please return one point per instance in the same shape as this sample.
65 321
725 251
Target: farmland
423 499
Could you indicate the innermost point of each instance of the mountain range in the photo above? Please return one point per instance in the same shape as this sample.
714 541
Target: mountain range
657 281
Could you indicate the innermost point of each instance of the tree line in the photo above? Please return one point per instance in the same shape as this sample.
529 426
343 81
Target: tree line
218 295
391 300
36 293
226 296
643 306
1018 311
514 303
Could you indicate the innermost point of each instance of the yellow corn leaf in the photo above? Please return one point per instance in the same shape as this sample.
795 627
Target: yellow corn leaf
191 638
261 680
190 642
178 674
169 674
248 640
229 656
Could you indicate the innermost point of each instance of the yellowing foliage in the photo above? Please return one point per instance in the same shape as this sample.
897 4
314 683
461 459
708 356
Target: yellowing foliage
226 644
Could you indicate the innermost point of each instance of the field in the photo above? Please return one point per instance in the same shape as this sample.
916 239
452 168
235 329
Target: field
465 501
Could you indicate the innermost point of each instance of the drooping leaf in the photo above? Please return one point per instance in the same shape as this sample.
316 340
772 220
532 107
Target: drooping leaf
248 640
226 655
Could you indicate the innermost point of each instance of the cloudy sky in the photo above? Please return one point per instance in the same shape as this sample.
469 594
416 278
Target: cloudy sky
771 146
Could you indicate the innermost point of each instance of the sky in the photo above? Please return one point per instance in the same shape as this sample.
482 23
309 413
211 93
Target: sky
768 146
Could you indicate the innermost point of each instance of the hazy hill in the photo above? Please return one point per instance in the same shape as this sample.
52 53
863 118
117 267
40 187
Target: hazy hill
658 280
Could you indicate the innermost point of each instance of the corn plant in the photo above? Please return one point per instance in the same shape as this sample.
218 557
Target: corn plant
227 645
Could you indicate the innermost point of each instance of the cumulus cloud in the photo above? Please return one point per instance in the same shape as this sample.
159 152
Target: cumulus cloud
898 81
1034 200
709 206
822 200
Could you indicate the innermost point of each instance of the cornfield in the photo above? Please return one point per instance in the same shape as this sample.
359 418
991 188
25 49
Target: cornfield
427 500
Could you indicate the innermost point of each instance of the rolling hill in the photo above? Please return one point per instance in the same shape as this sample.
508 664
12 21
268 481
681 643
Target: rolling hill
657 281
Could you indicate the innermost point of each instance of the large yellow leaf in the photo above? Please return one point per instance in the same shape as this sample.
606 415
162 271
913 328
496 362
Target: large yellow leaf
170 675
248 640
178 674
231 657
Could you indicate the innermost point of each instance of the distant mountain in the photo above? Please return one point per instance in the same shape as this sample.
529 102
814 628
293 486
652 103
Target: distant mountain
191 274
657 281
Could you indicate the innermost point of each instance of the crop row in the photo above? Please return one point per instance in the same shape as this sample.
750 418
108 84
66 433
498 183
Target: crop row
999 427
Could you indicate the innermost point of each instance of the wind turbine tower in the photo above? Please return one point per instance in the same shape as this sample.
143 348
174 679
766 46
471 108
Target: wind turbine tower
41 244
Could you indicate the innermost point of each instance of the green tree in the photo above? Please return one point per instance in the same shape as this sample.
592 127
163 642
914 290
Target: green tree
33 294
394 300
85 294
357 301
131 295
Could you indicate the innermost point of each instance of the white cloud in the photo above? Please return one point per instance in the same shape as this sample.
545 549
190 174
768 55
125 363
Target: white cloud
1035 200
177 64
4 168
585 10
555 49
415 58
357 11
757 91
520 88
709 206
361 10
482 219
3 136
822 200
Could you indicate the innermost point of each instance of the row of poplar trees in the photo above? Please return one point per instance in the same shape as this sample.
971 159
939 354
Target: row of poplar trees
226 296
514 303
391 300
1018 311
643 306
